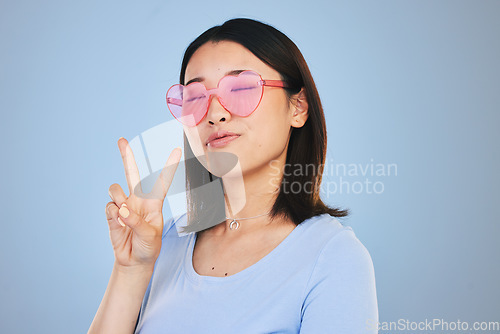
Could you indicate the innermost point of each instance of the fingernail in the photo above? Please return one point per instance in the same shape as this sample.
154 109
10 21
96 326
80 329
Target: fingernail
124 211
121 222
119 138
109 192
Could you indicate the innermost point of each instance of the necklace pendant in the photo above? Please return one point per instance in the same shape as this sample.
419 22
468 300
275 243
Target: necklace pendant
234 225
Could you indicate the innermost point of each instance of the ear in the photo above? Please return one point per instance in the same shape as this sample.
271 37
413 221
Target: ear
299 109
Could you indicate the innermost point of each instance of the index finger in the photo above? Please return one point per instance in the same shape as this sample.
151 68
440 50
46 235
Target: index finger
131 170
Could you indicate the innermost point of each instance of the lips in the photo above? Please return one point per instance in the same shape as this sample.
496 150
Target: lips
220 134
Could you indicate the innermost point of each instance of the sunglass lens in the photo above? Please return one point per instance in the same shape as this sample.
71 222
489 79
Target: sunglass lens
187 104
241 94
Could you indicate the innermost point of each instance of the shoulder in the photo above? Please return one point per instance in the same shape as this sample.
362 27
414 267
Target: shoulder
340 294
340 248
329 235
335 251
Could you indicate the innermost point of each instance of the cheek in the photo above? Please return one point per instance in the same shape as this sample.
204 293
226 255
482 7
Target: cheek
272 123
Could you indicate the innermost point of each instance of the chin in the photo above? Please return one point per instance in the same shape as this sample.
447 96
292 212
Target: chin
221 163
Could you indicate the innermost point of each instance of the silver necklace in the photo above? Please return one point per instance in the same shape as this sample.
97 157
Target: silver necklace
235 224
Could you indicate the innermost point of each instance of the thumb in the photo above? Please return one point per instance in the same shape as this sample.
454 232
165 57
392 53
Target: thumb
131 219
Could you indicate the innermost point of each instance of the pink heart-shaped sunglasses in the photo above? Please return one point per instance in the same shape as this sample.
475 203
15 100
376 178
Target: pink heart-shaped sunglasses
240 95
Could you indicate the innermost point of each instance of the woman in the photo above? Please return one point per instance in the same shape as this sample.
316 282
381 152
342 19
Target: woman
274 259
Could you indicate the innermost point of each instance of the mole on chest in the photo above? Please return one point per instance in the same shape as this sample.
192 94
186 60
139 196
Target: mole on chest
224 265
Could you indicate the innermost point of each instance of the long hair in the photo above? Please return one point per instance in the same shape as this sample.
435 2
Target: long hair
307 146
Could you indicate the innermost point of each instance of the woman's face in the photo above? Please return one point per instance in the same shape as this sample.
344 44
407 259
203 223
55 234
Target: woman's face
262 136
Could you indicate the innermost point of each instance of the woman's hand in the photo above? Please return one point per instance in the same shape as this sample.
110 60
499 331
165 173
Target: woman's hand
136 222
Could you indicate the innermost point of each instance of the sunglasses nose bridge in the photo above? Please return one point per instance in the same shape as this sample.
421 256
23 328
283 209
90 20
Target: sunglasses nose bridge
211 94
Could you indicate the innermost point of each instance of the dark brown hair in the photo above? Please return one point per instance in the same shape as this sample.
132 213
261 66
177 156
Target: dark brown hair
307 144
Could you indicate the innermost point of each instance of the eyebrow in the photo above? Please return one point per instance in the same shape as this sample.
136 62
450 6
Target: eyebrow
201 79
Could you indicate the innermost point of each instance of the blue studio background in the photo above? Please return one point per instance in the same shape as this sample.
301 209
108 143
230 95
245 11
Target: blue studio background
411 95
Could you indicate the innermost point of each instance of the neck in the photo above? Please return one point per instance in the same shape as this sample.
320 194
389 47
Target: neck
250 195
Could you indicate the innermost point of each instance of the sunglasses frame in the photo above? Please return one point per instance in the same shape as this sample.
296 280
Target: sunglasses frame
214 91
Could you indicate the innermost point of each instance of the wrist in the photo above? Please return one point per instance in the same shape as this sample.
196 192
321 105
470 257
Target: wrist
134 270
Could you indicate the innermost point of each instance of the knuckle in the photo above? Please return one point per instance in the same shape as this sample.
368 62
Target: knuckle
158 233
111 209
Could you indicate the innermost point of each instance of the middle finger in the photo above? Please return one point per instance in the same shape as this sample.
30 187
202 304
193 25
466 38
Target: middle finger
131 170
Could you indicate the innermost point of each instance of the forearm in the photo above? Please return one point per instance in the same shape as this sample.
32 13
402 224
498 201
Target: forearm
122 300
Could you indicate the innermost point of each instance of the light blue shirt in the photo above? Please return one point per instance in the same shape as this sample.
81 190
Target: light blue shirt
319 279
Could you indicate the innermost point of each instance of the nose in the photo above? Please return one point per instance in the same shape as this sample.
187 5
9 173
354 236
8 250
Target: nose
216 112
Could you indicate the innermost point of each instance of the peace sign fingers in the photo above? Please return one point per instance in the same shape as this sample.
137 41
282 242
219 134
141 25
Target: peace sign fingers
131 170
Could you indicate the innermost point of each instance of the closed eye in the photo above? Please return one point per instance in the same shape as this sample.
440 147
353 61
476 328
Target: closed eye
193 99
242 88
